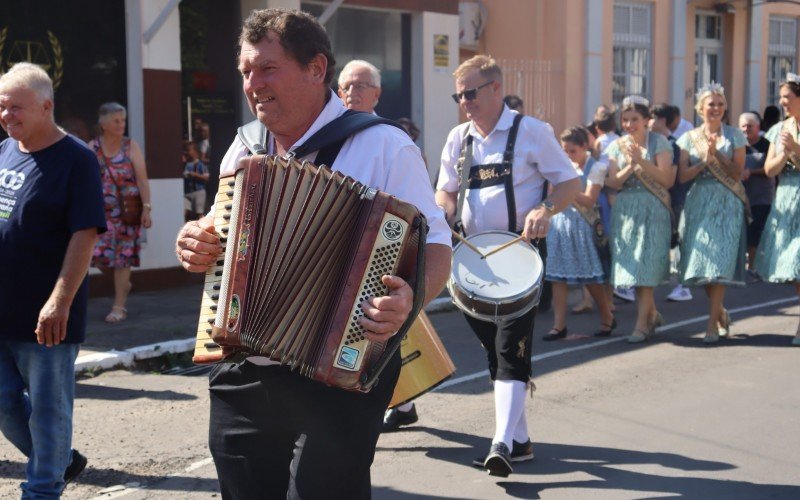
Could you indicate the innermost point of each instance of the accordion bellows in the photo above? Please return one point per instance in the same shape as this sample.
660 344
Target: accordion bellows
303 247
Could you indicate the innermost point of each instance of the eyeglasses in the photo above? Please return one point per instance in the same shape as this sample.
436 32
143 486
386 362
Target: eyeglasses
469 94
360 86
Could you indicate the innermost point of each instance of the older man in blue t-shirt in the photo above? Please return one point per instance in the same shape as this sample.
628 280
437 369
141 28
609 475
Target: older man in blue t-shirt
51 211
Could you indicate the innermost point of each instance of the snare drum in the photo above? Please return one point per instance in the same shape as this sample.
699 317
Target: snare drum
425 362
500 287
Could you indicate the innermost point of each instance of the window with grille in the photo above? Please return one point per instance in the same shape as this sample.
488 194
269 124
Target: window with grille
782 54
632 50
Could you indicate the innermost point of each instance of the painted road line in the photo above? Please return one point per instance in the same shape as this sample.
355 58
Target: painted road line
569 350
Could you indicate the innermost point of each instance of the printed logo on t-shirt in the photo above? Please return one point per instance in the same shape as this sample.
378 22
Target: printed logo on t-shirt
10 182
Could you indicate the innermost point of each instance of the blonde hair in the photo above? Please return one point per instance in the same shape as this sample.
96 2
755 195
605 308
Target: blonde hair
701 98
485 65
30 76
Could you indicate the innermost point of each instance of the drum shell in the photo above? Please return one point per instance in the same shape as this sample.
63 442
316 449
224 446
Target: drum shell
426 363
493 310
496 309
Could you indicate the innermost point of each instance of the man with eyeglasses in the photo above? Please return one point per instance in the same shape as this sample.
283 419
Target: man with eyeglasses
505 190
360 86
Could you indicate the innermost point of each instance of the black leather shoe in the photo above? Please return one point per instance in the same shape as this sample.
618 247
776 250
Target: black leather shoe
498 461
554 334
394 419
605 333
75 467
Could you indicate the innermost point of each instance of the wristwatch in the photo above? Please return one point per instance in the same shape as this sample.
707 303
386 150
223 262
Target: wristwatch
549 206
147 206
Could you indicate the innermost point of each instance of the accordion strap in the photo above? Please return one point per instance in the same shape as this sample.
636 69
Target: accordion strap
328 140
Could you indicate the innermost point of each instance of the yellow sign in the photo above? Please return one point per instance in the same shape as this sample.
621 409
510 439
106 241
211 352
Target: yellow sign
441 52
33 51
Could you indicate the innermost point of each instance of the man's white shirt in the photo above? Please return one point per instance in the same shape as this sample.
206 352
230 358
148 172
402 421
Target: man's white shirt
382 157
537 157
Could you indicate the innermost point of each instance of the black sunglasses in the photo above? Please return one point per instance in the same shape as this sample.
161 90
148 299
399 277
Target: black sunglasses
469 94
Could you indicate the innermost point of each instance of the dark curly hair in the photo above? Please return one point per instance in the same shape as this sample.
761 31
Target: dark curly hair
299 33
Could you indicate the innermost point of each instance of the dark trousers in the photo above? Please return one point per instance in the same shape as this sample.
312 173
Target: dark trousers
508 345
275 434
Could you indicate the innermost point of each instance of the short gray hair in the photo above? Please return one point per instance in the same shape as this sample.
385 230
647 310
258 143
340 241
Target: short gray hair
375 73
30 76
110 108
751 117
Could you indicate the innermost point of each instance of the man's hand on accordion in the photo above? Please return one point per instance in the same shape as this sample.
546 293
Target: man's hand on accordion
198 245
385 315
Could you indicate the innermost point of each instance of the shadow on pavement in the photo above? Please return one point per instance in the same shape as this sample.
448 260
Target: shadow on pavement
87 391
603 469
106 477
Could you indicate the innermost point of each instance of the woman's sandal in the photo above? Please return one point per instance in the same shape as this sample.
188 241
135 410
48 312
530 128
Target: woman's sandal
117 314
555 334
606 329
638 336
724 329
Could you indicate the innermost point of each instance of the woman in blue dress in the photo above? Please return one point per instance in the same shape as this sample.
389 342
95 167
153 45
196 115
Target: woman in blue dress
778 254
640 166
573 255
712 226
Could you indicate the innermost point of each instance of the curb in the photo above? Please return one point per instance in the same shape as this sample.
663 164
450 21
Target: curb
108 360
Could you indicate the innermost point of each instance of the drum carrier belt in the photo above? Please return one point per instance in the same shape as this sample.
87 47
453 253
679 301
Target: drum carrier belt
491 174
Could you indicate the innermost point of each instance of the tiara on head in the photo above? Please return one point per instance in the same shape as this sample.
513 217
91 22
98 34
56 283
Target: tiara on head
793 78
635 99
710 88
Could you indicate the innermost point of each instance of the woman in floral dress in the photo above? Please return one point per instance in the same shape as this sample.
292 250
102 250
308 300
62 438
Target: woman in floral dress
123 172
640 220
778 254
712 226
573 255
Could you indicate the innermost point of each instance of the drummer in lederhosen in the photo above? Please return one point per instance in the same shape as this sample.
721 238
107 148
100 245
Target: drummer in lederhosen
489 204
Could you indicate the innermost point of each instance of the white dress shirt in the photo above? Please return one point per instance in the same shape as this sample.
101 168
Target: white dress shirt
537 157
381 156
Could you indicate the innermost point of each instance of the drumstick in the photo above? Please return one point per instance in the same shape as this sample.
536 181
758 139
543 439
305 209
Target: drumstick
504 246
469 245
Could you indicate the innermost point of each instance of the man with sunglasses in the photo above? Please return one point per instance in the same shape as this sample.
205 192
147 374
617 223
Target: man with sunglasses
508 158
360 86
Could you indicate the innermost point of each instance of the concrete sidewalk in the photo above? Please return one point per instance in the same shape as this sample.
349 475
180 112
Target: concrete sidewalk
159 322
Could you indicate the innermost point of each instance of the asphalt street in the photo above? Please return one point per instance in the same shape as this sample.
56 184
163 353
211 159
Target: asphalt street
668 418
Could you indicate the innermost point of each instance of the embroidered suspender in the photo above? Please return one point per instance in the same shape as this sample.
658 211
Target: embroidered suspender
476 176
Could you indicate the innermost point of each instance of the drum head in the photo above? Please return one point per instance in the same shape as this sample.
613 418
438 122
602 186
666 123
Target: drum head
508 274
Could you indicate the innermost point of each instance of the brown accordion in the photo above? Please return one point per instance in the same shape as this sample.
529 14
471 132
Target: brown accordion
303 247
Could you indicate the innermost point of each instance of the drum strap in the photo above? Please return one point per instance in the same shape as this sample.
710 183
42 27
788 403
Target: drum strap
463 166
479 176
508 161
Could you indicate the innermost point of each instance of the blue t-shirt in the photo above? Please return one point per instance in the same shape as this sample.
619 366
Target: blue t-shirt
190 185
45 197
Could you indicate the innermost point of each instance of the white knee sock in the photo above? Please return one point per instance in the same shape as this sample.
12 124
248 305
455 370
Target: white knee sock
521 431
509 406
406 407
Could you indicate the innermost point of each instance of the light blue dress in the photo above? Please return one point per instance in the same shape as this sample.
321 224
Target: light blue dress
778 254
712 226
572 256
640 225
